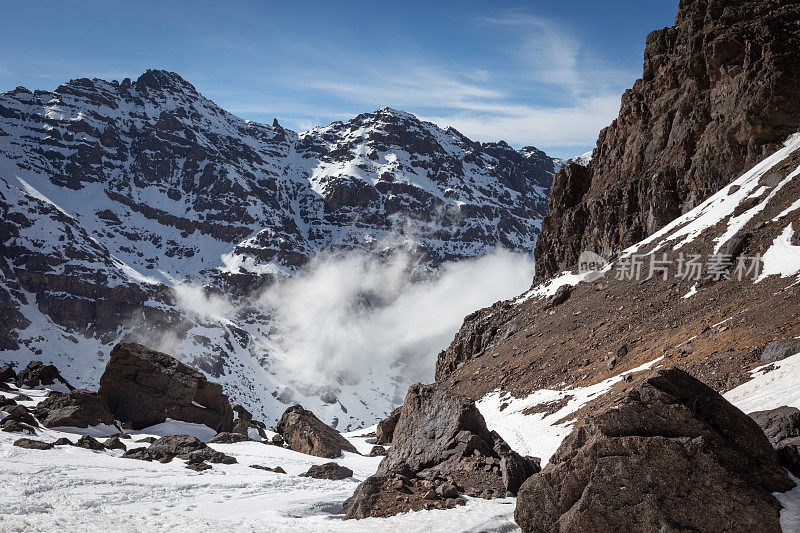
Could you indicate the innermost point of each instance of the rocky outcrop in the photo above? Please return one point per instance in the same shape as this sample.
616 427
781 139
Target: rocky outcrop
718 91
38 374
668 454
305 433
385 429
79 408
331 471
441 448
144 387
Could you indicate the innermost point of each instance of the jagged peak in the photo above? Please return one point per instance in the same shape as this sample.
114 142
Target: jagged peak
156 79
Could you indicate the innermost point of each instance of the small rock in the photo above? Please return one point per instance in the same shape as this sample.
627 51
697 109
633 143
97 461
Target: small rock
611 363
148 440
377 451
114 443
90 443
447 490
198 467
32 444
277 440
63 441
430 495
622 351
15 426
228 438
329 471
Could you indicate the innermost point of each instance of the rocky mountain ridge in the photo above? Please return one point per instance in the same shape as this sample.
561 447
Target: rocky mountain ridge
719 92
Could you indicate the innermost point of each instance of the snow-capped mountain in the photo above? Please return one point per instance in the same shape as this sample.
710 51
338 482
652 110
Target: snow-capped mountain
114 192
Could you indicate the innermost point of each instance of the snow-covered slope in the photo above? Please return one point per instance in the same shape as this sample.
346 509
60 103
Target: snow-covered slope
112 194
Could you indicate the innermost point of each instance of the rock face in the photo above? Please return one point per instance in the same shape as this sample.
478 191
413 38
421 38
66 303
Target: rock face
331 471
719 89
780 349
782 427
440 448
145 387
78 408
668 454
305 433
38 374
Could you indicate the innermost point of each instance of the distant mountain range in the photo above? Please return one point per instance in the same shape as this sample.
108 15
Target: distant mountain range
112 192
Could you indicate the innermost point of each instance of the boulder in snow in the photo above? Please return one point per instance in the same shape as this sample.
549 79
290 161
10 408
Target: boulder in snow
38 374
305 433
329 471
79 408
144 387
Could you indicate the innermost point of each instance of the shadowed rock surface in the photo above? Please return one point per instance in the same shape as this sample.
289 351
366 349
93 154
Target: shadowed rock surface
305 433
38 374
668 454
385 429
145 387
78 408
441 448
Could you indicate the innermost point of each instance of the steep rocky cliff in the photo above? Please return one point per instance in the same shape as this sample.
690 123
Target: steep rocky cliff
719 91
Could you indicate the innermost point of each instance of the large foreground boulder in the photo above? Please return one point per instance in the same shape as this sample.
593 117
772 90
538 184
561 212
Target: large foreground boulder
303 432
144 387
79 408
441 448
670 454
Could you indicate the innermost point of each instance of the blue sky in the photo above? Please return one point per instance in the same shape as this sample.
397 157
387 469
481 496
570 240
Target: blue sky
546 73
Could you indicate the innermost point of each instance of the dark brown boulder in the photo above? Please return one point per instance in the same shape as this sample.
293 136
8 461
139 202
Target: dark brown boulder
377 451
32 444
385 429
19 413
440 438
305 433
668 454
63 441
38 374
145 387
329 471
114 443
90 443
78 408
228 438
782 427
277 469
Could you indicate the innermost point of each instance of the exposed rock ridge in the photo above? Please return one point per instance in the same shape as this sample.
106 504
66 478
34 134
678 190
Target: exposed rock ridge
718 91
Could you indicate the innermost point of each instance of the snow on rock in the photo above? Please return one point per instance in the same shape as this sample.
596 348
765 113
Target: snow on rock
772 386
782 258
539 434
